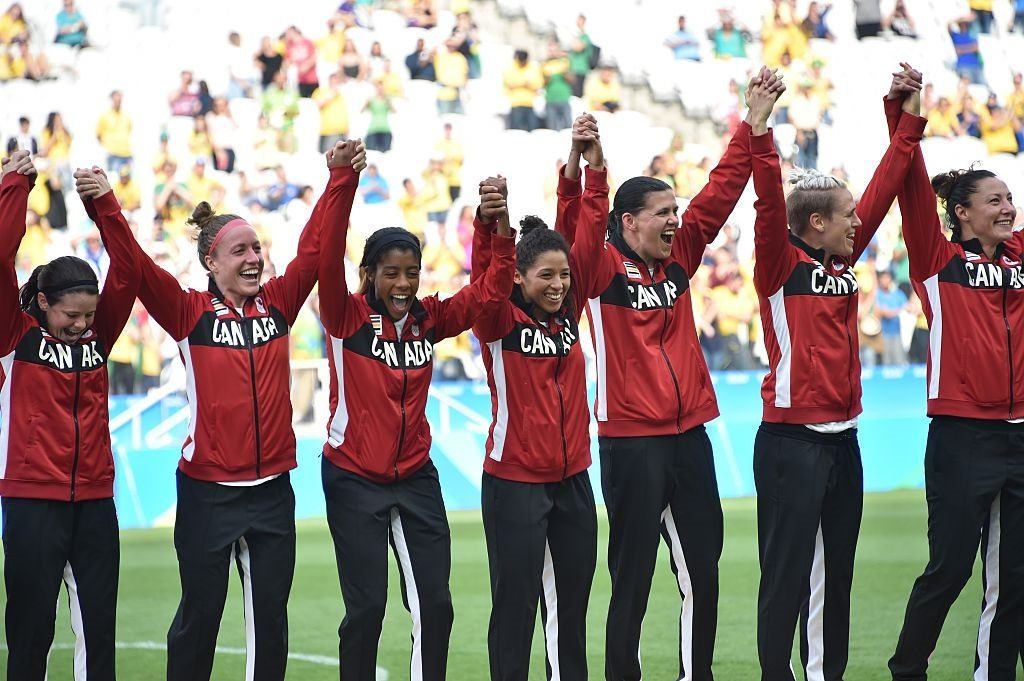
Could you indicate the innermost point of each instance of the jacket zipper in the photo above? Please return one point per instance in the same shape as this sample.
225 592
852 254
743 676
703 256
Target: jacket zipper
74 416
255 399
1009 350
849 339
405 386
561 411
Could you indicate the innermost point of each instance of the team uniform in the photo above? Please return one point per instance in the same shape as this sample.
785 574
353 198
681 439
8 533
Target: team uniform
235 501
807 464
654 395
56 466
378 479
538 505
974 459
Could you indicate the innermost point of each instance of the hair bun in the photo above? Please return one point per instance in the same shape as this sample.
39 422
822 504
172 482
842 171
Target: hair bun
531 223
202 214
943 183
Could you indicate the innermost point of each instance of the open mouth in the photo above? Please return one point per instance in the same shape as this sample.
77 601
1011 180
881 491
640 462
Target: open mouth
850 239
1005 223
667 236
554 298
250 275
401 303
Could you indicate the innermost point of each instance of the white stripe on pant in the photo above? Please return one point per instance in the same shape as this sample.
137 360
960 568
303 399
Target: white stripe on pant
991 598
815 669
405 562
551 607
686 590
77 625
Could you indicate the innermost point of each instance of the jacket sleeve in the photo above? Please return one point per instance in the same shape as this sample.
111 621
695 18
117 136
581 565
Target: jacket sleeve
336 312
774 257
708 211
290 290
456 314
588 260
122 283
887 180
480 257
927 248
13 208
568 208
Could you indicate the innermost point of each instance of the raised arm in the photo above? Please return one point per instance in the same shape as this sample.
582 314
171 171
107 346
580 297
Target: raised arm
495 319
711 207
346 160
456 314
18 177
890 173
591 269
121 285
586 144
169 305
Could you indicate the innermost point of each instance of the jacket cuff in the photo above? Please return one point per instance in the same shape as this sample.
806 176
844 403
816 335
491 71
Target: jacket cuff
18 180
504 245
597 179
343 175
568 187
106 204
912 125
481 226
893 107
762 144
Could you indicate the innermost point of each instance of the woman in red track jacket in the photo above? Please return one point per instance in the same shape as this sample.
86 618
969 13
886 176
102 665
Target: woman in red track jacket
377 475
807 464
56 467
234 494
538 504
972 291
654 394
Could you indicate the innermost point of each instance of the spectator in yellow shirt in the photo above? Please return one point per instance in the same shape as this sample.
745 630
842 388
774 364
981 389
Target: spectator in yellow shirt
942 120
330 45
12 25
999 131
603 90
1015 102
452 153
414 214
438 199
199 185
523 82
333 112
114 132
127 190
452 71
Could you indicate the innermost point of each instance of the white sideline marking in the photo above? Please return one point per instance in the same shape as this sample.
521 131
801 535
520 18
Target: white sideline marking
323 660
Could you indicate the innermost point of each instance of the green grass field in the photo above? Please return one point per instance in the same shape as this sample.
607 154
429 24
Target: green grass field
892 552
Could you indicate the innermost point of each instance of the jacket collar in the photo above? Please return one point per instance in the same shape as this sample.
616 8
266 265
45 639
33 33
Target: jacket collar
616 239
974 246
215 290
816 253
565 312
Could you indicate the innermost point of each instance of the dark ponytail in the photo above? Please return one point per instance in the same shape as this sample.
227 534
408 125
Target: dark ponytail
954 188
383 241
60 277
630 198
207 225
536 239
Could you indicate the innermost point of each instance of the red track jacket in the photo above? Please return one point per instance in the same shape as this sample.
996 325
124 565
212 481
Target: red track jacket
974 306
540 422
54 429
651 374
808 306
237 371
379 382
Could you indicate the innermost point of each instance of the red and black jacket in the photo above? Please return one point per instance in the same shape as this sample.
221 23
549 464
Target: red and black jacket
54 424
974 305
379 381
540 422
236 365
651 375
809 306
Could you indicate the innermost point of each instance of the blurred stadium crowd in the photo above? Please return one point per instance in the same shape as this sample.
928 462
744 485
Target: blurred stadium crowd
235 112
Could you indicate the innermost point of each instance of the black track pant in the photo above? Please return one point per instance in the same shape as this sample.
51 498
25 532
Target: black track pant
254 527
46 543
541 547
810 494
363 516
661 485
974 477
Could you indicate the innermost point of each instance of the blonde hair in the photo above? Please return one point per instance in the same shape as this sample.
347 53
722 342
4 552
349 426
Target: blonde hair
813 192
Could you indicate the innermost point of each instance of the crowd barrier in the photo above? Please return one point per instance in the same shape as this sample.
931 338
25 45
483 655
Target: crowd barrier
893 429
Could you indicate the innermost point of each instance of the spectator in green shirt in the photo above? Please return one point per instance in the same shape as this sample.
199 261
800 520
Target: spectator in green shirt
558 78
581 56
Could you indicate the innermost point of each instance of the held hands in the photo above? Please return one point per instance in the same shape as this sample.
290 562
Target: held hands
18 162
586 140
763 91
907 85
91 183
493 198
350 152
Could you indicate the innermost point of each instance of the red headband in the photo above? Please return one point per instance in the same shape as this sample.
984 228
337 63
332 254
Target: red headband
237 222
